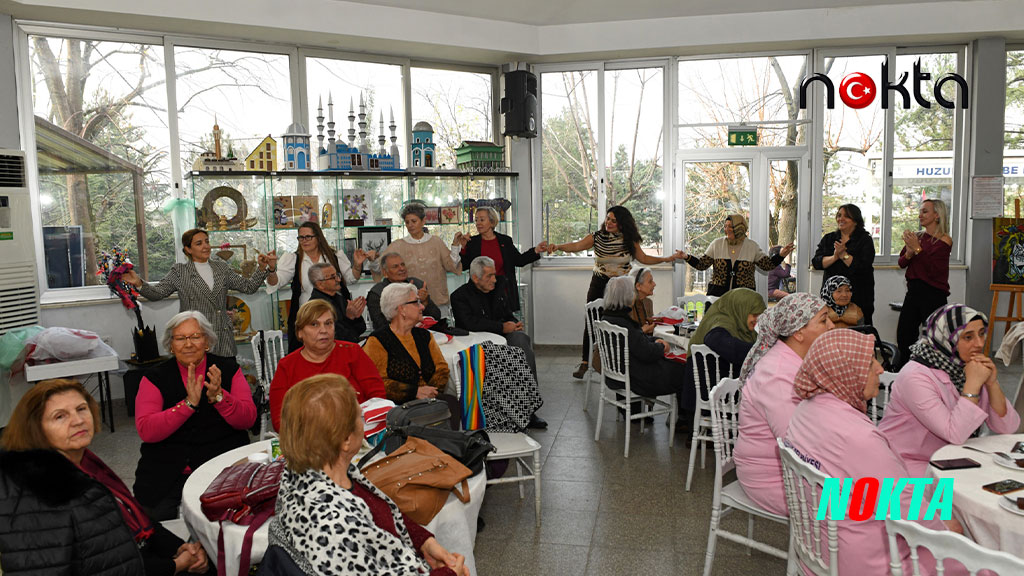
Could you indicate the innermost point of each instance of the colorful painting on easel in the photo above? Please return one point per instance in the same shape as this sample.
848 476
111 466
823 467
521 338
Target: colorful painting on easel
1007 251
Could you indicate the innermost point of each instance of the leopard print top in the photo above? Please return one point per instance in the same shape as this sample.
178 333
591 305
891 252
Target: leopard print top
327 530
733 270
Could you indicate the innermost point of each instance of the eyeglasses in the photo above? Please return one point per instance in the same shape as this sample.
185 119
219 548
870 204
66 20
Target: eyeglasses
411 302
331 277
306 236
194 338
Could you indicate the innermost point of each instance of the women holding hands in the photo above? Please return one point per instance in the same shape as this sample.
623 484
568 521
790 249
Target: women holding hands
849 251
615 246
925 255
733 257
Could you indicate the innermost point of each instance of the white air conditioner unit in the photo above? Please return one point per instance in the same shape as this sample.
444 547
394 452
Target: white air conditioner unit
19 283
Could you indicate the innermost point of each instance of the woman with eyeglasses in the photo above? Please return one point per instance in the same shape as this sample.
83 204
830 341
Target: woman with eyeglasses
189 409
202 285
294 267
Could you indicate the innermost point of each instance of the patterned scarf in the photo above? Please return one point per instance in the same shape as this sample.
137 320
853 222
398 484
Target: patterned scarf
937 346
838 363
739 228
829 288
784 319
730 312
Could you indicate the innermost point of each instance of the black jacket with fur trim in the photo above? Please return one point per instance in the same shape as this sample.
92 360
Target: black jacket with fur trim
57 521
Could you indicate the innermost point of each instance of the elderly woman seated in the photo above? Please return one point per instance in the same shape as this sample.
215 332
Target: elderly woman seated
62 509
330 519
837 292
322 354
650 373
189 409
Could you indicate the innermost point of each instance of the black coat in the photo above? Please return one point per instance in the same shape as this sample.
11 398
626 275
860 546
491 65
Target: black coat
650 373
861 274
511 259
56 520
478 311
345 328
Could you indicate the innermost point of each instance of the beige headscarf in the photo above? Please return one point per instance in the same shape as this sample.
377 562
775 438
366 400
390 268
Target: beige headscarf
739 228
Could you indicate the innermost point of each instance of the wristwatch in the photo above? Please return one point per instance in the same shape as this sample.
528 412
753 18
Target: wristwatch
846 257
969 395
190 405
220 396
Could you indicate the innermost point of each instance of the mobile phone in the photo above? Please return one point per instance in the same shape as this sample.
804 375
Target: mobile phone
1018 448
955 464
1003 486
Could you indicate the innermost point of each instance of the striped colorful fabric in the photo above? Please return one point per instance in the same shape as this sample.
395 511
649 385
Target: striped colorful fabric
472 362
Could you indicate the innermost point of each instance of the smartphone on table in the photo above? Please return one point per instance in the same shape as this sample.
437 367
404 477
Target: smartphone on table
1003 486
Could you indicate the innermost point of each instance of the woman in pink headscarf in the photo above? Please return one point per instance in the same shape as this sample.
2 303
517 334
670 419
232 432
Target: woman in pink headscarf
784 334
831 430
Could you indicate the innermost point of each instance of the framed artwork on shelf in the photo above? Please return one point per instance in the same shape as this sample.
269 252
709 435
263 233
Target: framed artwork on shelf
283 212
327 215
450 215
432 215
356 204
306 209
350 247
374 238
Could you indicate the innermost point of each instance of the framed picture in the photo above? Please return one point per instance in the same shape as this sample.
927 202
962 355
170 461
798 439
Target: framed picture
449 214
284 216
1007 251
350 247
356 204
374 238
306 209
326 215
432 215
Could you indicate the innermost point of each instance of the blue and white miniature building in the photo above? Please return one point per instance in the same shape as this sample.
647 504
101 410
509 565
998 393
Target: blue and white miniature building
422 145
295 142
355 154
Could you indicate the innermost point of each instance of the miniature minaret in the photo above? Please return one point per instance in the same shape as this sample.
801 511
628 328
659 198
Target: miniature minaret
320 126
382 140
394 139
351 124
330 121
216 138
364 146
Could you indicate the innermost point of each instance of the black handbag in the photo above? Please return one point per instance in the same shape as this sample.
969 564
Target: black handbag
422 412
470 447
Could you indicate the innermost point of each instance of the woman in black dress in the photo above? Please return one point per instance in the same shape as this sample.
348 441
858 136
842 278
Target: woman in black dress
849 251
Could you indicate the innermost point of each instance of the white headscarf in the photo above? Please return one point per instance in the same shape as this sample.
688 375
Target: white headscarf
784 319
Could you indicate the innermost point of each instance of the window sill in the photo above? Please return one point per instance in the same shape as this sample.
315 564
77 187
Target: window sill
86 296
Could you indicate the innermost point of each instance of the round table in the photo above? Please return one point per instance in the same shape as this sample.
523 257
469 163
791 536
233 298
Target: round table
979 511
668 334
454 526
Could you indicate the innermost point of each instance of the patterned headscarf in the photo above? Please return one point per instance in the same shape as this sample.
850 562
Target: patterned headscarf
937 346
739 228
829 288
838 363
784 319
730 312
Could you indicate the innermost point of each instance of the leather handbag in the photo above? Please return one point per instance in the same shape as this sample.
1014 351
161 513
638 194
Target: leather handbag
423 412
469 447
418 478
244 494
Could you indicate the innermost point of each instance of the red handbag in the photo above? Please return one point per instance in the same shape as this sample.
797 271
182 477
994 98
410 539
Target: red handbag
245 495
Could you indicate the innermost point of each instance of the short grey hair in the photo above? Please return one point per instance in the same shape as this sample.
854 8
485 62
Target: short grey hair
638 277
316 272
182 317
417 208
476 267
619 293
493 213
388 256
393 296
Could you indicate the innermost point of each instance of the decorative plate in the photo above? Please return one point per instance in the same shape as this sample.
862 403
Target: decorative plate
240 314
325 215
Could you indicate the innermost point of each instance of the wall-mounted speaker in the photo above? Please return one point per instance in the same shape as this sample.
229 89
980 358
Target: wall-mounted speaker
520 104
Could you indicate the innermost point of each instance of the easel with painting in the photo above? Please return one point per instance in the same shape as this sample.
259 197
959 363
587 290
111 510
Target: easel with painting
1007 271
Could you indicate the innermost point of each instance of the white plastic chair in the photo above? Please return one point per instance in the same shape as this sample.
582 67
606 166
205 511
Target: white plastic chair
613 342
266 367
803 485
518 446
946 545
700 303
725 429
703 360
593 309
876 406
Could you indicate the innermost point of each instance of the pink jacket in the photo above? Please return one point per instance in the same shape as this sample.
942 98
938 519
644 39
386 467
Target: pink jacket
766 405
847 445
925 413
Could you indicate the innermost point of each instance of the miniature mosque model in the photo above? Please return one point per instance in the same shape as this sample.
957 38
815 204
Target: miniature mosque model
354 154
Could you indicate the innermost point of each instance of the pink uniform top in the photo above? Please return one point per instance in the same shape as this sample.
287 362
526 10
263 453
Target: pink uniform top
156 424
846 444
925 412
766 405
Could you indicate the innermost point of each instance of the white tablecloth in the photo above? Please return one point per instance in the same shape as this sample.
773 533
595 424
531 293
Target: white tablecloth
979 511
454 526
451 350
667 333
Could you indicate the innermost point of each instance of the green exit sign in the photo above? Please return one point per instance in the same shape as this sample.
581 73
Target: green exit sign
742 136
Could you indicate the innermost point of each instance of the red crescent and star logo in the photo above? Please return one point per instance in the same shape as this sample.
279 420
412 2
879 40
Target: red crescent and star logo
857 90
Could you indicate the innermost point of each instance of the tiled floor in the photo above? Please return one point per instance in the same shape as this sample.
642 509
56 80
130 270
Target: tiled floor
602 513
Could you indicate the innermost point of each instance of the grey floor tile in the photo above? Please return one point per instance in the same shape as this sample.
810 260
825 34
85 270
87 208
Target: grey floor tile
528 558
608 561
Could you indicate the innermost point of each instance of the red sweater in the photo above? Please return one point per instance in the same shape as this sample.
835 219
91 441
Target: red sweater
347 359
931 266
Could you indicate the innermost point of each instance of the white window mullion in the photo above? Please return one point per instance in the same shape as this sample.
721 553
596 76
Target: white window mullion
889 135
602 199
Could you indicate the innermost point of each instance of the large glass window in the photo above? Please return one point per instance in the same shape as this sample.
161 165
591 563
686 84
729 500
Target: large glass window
1013 135
102 143
456 104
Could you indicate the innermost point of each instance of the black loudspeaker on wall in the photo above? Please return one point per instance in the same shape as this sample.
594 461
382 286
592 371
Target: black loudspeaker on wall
520 104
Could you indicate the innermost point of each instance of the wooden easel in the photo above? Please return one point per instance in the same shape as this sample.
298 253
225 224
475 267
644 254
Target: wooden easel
1016 293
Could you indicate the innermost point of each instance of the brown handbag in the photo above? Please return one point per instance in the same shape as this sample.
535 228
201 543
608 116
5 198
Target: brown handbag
418 477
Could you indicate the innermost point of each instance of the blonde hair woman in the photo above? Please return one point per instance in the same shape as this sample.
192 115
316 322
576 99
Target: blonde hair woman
925 255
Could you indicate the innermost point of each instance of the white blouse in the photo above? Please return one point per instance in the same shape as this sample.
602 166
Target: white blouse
286 271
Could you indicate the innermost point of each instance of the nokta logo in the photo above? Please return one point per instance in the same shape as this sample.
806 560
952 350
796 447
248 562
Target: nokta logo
867 498
857 90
